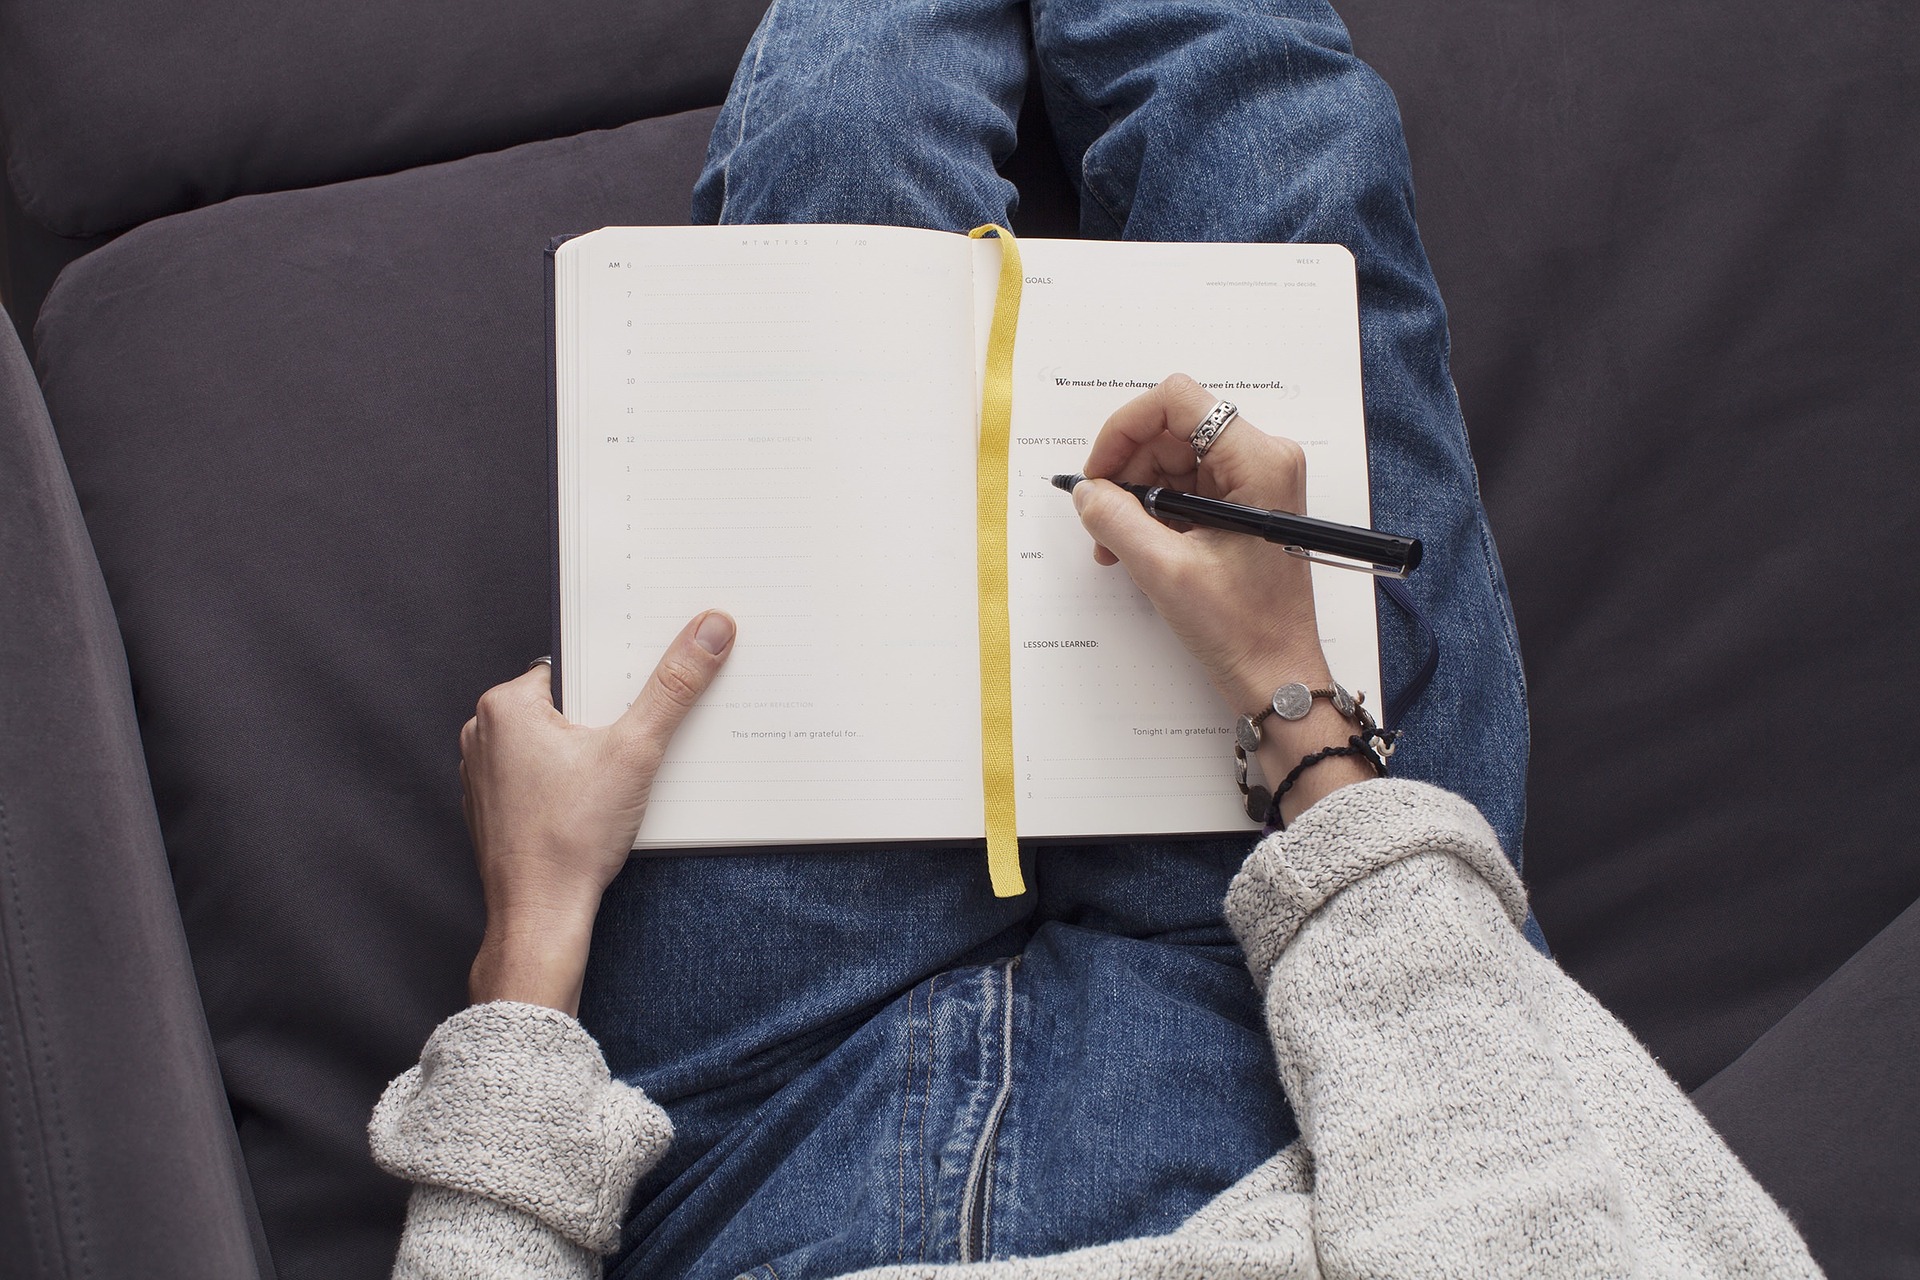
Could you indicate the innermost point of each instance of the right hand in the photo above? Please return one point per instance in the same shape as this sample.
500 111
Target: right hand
1242 606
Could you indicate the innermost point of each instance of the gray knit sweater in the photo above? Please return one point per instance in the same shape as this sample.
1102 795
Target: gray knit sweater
1465 1108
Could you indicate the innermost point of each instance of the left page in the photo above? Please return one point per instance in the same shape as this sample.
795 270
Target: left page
777 422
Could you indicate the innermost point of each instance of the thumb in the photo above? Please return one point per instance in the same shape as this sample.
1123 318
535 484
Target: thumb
681 676
1119 523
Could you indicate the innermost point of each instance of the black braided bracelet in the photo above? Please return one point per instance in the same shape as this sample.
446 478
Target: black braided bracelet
1356 746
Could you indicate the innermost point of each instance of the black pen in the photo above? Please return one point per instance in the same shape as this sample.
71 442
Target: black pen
1386 555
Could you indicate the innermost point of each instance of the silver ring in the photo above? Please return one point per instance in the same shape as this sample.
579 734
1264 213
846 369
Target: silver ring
1210 428
538 661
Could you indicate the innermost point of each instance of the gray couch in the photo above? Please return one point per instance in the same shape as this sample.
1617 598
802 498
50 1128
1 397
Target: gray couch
274 514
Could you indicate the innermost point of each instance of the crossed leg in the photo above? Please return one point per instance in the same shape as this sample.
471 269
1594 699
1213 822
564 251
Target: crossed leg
867 1057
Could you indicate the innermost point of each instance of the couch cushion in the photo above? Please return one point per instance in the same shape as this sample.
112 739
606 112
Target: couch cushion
118 111
308 431
1676 240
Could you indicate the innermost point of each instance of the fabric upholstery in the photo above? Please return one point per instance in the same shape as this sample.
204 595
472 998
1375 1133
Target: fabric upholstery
1675 240
30 258
117 1155
308 431
118 111
1823 1109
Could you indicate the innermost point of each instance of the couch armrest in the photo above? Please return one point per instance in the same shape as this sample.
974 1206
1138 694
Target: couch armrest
117 1148
1822 1108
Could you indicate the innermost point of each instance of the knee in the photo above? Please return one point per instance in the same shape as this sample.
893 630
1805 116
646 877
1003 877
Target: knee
1280 80
871 130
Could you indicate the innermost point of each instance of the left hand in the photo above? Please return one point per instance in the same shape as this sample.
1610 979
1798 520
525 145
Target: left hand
554 807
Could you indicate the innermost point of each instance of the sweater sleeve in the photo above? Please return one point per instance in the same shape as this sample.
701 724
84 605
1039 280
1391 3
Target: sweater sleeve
523 1150
1468 1108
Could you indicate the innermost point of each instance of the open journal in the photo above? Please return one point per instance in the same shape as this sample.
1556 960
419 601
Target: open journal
780 422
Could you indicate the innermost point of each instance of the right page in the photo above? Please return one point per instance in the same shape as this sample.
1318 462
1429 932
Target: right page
1116 731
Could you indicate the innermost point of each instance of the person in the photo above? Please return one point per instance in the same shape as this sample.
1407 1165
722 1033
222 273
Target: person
808 1062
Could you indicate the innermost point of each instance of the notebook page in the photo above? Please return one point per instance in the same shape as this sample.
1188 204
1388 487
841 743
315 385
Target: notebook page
778 422
1116 731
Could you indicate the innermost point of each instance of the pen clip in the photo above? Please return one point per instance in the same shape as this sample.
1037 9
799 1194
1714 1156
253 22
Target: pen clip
1358 566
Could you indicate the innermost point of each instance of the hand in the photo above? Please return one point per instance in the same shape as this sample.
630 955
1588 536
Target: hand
554 807
1242 606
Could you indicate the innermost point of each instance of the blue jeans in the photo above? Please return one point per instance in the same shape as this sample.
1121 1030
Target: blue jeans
868 1058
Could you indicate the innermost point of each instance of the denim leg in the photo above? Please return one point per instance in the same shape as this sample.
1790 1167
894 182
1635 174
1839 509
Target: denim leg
884 112
855 1077
1230 120
874 1155
1214 120
769 1000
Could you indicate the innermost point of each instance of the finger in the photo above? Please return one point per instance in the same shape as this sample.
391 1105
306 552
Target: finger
1122 526
1245 464
1163 460
683 673
1162 418
1258 469
529 693
534 684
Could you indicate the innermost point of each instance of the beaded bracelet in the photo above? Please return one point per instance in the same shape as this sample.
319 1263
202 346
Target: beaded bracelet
1372 742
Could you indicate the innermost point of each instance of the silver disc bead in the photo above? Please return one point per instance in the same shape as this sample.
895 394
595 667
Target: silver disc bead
1292 701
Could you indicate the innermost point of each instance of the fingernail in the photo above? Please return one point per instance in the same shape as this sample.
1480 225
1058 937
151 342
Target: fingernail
715 633
1082 495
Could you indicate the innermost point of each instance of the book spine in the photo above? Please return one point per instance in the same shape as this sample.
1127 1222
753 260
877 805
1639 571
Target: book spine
553 475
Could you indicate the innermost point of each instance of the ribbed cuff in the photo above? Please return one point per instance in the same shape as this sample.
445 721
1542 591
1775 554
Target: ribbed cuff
1342 839
513 1102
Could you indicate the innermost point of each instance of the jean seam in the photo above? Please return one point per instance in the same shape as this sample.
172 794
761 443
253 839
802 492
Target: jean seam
746 103
906 1104
1094 193
1508 633
1087 188
977 1199
993 1155
926 1105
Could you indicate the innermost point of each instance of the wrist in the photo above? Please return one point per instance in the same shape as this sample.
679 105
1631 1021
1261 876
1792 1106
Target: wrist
532 957
1277 759
1251 687
1286 744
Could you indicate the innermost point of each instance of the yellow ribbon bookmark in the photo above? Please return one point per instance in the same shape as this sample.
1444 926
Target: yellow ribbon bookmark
996 637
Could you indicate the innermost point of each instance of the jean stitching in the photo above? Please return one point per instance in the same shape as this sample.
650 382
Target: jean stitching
1006 1068
926 1105
970 1190
746 102
979 1186
906 1103
1508 634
